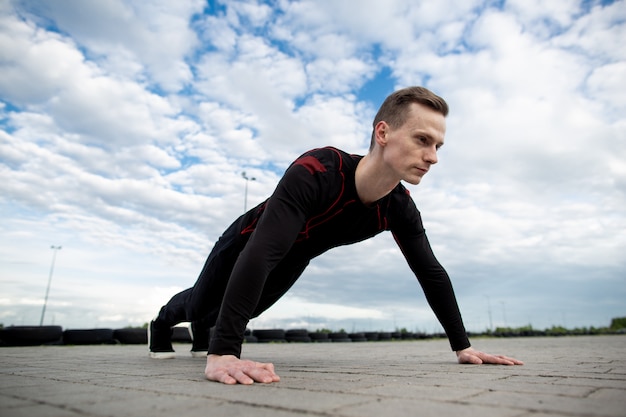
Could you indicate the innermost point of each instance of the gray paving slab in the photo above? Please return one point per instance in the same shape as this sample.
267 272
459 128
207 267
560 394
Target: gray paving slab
566 376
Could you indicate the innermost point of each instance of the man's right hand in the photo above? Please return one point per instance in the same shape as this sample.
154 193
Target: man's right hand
229 369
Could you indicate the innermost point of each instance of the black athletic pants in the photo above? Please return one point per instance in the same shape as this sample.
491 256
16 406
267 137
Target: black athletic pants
202 302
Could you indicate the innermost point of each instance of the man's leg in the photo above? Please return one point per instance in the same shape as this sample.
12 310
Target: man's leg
202 302
160 329
201 336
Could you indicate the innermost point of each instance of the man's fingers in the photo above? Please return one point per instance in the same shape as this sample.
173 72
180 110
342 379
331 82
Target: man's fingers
510 361
250 375
500 360
269 369
268 366
221 376
515 361
504 360
230 378
243 377
261 375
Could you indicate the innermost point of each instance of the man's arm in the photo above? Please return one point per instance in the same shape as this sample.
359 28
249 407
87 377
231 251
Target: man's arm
440 295
284 216
436 285
271 240
435 282
296 196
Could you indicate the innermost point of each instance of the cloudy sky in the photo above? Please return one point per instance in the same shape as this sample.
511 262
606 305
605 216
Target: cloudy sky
125 127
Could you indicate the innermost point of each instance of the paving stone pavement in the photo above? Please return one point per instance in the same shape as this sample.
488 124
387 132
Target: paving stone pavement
562 376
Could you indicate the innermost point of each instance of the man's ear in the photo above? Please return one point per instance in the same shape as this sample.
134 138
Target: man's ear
380 133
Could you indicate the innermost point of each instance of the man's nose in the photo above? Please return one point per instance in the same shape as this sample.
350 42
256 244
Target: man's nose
431 156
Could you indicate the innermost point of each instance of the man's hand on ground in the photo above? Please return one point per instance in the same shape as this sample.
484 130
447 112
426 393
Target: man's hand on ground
229 369
473 356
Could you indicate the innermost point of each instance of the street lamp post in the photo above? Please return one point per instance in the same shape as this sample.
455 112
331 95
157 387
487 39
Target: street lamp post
45 301
245 196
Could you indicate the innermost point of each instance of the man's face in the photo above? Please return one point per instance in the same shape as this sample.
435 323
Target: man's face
410 150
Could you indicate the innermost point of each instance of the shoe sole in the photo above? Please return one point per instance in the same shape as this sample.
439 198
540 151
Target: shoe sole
162 355
159 355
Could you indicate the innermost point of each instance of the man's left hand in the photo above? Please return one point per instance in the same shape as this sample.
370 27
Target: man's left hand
473 356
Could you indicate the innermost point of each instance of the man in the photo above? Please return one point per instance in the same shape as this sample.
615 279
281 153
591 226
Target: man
326 198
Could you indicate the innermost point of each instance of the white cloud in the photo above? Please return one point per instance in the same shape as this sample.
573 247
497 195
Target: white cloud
545 18
252 13
606 85
27 49
594 34
338 76
153 36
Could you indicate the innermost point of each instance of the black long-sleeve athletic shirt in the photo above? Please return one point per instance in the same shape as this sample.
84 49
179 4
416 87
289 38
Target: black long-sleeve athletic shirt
314 208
